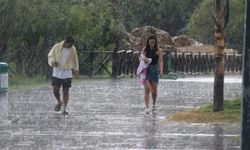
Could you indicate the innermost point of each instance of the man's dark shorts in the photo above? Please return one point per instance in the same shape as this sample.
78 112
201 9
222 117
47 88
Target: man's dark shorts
65 83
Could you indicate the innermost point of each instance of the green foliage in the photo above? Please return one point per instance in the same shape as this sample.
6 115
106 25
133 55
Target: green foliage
36 25
235 28
169 15
6 15
230 106
23 82
201 25
29 28
205 114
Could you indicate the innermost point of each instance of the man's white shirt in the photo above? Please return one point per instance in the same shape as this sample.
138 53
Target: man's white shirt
59 71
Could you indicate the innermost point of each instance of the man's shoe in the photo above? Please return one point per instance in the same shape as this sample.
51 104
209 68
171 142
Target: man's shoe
58 107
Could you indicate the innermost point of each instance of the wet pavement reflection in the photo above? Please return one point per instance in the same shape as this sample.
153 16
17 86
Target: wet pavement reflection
218 137
109 114
150 129
4 107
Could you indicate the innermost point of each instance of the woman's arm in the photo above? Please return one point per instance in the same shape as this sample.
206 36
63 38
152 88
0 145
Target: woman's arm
143 53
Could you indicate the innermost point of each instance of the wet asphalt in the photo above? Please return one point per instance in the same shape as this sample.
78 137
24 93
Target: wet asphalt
109 114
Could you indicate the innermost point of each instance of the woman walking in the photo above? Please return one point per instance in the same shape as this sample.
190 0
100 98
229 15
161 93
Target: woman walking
154 70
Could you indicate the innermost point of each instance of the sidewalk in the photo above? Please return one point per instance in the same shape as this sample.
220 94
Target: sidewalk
106 114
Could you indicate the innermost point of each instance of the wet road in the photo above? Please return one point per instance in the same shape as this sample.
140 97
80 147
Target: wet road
107 114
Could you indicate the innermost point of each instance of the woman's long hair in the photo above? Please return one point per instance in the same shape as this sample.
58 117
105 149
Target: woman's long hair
148 46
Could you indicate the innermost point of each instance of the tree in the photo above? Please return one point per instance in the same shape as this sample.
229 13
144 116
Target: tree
169 15
6 24
235 27
200 26
35 29
220 16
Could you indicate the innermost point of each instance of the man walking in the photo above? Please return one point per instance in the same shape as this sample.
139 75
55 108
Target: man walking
64 60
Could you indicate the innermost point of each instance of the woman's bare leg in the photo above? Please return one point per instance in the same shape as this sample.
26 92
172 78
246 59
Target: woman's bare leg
146 93
154 92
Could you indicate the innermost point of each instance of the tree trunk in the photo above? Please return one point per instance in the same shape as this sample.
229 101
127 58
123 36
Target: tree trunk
219 72
19 61
220 15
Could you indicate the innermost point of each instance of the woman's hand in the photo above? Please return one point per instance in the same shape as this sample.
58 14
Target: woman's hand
146 60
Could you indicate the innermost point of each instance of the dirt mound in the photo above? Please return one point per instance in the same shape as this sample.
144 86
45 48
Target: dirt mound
184 40
136 40
196 49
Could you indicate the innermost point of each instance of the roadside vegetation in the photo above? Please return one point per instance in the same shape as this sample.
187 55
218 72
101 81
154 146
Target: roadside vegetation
204 114
100 26
21 82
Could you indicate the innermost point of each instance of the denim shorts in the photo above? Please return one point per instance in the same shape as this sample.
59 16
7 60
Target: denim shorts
65 83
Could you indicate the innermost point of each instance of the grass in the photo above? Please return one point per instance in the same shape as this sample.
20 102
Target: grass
204 114
20 82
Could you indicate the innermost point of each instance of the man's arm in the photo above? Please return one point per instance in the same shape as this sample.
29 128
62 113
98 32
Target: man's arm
76 65
51 57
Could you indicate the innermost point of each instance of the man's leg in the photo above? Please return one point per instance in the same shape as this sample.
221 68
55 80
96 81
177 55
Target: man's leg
56 92
65 98
66 85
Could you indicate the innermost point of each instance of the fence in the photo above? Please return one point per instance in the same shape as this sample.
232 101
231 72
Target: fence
94 62
179 62
125 62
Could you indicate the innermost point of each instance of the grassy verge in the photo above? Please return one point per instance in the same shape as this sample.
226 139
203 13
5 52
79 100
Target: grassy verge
204 114
20 82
